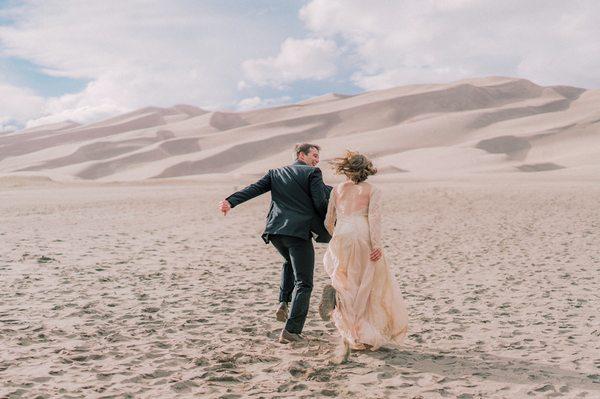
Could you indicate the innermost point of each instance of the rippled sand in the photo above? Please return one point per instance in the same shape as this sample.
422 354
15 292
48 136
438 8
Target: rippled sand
144 290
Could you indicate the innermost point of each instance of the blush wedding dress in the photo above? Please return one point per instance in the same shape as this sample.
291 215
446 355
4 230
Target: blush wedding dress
369 309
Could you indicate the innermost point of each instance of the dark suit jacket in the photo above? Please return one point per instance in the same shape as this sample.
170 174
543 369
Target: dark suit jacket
299 201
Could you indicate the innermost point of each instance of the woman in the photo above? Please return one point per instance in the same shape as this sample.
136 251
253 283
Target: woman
369 310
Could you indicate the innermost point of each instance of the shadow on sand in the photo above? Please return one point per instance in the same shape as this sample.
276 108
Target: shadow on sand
485 366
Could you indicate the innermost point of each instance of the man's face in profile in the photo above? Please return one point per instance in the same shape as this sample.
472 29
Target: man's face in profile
312 158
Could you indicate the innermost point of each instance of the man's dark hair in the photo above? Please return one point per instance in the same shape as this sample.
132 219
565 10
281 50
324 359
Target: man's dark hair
305 148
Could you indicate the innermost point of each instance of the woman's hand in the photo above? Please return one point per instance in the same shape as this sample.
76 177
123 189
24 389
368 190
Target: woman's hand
376 254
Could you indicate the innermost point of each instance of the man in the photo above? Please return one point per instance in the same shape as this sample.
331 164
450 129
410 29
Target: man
299 201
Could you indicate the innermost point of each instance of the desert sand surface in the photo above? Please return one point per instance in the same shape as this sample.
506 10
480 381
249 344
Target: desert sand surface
479 125
144 290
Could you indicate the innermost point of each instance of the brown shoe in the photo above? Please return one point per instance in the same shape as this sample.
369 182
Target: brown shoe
286 337
282 312
327 302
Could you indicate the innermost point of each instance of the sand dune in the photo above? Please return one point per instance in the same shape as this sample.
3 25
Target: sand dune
492 124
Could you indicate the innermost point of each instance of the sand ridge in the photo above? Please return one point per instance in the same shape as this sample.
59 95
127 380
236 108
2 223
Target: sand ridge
472 126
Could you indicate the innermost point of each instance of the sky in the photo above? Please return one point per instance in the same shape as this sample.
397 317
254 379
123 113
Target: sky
86 60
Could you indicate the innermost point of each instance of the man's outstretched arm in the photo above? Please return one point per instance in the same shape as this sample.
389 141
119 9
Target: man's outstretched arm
247 193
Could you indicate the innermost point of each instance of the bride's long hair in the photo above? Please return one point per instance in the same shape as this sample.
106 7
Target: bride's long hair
355 166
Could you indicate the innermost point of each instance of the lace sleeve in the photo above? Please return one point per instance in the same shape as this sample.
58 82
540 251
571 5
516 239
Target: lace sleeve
331 216
375 218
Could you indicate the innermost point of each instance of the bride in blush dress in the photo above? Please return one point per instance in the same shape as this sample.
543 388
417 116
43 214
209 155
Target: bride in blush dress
363 299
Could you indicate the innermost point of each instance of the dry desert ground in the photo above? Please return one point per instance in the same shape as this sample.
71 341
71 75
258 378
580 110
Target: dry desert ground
144 290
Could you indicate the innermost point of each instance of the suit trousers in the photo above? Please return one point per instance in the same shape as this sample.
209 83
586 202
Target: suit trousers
296 277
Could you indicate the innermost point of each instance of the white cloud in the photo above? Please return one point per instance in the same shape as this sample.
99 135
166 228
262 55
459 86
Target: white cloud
138 53
394 43
135 53
17 105
80 114
242 85
7 125
297 60
257 102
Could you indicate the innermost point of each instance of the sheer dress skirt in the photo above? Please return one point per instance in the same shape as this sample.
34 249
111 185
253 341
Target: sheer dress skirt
369 306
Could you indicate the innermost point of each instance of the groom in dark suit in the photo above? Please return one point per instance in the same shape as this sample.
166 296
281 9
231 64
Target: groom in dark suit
298 206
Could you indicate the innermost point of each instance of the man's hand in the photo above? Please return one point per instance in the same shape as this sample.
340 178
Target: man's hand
224 206
376 254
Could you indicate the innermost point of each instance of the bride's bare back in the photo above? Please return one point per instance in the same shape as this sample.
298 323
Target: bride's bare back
351 198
